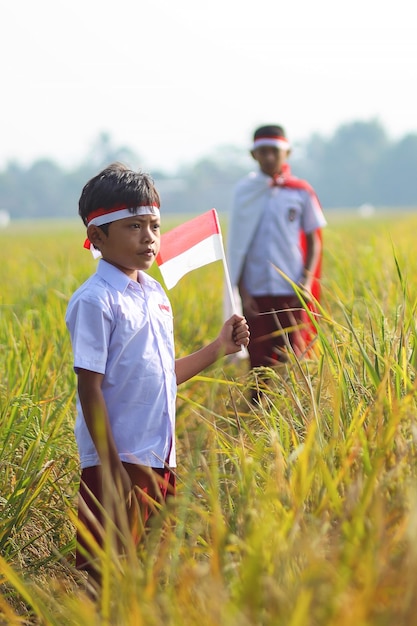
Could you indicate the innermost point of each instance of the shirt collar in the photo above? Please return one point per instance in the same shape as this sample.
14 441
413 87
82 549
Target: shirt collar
112 275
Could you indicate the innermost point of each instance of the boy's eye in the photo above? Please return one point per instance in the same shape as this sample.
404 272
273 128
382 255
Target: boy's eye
137 225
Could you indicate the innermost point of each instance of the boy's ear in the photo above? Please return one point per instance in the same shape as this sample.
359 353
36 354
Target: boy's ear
252 152
95 235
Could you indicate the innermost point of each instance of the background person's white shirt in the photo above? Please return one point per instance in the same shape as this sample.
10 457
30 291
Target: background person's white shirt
276 241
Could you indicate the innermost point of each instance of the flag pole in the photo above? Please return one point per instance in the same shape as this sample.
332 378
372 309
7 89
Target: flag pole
227 275
228 282
226 269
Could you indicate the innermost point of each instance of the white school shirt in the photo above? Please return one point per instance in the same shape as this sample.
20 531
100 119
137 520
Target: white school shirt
277 241
124 329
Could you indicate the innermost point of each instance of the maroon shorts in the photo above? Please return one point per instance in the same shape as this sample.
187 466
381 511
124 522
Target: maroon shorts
267 339
154 485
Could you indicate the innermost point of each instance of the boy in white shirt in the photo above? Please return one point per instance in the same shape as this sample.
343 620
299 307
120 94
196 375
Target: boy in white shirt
121 328
275 222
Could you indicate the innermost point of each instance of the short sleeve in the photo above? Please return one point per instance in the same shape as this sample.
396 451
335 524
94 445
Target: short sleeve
89 323
313 217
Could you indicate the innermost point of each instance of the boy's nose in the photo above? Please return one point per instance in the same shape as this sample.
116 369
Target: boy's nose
148 235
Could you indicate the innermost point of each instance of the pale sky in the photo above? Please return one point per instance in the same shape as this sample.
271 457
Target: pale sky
173 80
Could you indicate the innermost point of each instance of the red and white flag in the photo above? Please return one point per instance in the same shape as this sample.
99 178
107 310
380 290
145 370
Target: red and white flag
195 243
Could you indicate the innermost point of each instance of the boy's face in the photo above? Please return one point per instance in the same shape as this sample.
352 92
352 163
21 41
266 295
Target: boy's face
270 159
131 243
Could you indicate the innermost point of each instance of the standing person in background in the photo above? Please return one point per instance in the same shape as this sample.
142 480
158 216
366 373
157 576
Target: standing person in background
276 222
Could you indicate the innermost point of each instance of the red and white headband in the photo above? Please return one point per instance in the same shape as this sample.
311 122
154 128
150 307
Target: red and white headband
104 216
276 141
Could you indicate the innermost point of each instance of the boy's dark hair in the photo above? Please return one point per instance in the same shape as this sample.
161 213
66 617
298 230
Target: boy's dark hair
117 186
270 130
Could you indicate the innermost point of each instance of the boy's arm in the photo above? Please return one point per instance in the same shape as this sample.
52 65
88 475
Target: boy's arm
98 424
234 334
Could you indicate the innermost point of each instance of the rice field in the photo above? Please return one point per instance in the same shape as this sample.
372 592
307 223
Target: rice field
301 511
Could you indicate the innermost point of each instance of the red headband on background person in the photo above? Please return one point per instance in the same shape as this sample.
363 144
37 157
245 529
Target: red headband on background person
276 141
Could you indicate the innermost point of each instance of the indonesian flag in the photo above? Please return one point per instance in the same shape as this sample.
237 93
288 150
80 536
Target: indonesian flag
195 243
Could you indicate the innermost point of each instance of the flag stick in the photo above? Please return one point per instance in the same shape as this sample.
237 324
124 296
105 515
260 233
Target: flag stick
226 269
228 282
227 276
